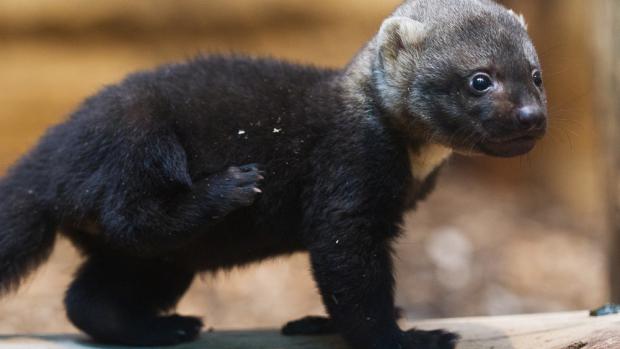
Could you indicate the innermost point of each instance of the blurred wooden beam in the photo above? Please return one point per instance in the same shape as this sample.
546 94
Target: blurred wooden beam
607 42
545 331
181 17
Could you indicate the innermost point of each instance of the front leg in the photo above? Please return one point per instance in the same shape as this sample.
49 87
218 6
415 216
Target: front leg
356 283
353 211
316 325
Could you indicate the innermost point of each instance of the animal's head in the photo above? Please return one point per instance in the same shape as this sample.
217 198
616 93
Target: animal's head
463 72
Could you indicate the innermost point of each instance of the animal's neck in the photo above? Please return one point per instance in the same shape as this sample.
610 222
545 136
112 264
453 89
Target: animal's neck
358 75
426 159
357 82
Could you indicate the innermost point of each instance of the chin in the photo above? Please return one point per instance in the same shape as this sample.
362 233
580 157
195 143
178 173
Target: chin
507 149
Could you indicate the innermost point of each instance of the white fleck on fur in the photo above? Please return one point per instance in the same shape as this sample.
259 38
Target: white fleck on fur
519 17
427 159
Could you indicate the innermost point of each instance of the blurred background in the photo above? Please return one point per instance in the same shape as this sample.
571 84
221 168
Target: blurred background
497 237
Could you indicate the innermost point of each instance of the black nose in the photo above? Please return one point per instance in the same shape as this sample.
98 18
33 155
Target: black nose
531 117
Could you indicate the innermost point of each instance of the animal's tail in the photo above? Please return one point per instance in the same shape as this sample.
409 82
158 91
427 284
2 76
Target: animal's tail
27 229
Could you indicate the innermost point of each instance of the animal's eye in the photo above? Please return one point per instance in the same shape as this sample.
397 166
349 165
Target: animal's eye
537 77
480 83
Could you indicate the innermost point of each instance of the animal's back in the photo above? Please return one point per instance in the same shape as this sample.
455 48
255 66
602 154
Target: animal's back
215 112
221 111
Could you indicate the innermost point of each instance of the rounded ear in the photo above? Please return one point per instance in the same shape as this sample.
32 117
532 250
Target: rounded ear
398 33
519 17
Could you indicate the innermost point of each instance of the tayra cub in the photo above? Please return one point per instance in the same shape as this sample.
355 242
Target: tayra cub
223 161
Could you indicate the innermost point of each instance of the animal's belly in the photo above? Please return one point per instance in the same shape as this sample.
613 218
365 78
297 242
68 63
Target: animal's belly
240 239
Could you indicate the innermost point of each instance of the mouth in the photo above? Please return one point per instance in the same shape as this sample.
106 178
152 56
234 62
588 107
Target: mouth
509 147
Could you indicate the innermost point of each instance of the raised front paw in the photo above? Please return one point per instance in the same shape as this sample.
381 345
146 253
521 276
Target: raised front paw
438 339
236 187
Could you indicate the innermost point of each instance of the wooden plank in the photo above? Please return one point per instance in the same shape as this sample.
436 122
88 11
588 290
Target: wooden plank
576 330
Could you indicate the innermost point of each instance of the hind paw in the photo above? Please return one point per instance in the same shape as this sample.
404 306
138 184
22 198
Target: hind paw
236 187
309 326
170 330
437 339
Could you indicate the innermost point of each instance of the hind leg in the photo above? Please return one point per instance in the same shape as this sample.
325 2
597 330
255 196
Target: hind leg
309 326
145 220
125 301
